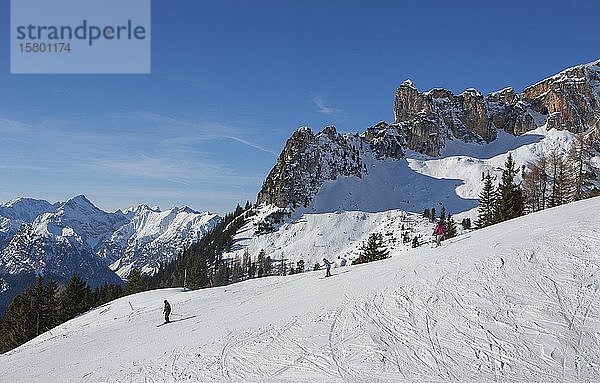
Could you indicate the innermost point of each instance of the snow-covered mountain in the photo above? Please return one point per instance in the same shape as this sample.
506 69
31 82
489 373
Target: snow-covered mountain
151 237
517 301
436 123
433 155
16 212
76 236
62 242
390 192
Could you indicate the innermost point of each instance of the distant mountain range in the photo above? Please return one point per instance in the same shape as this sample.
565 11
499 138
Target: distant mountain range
57 240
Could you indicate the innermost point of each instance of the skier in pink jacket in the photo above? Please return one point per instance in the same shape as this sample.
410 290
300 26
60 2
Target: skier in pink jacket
439 233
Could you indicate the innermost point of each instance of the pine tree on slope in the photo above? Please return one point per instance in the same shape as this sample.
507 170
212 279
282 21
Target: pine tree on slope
487 204
76 298
450 228
372 250
510 202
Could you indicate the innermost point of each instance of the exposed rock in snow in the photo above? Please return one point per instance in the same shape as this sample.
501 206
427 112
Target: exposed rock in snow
569 100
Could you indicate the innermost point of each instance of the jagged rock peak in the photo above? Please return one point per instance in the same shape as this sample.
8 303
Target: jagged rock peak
408 83
330 132
307 160
425 122
385 140
568 100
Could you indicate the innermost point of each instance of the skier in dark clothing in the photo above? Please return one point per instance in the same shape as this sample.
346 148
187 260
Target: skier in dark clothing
327 267
167 311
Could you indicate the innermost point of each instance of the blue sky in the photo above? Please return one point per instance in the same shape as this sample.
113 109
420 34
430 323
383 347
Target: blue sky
231 80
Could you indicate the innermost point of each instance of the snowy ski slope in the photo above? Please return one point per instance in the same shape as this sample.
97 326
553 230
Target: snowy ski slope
514 302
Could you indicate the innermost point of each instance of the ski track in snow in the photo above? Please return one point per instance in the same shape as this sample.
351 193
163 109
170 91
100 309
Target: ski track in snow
512 303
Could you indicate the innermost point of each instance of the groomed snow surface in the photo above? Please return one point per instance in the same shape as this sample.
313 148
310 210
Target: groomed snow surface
514 302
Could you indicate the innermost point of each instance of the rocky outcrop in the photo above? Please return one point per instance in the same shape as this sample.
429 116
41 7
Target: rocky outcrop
306 161
385 140
509 112
425 122
429 119
569 100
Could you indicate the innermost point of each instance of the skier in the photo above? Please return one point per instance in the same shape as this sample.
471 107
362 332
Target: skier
327 267
167 311
415 242
439 233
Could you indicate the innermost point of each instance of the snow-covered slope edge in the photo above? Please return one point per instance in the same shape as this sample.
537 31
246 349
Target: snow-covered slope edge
517 301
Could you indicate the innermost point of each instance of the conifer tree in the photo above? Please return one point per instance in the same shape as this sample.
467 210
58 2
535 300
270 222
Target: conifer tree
18 325
487 204
223 272
510 202
268 266
450 229
45 306
247 263
426 214
466 223
237 271
51 306
252 270
261 263
372 250
136 282
75 299
432 214
443 216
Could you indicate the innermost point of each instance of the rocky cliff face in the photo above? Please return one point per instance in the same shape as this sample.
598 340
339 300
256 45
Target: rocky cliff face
569 100
425 122
306 161
429 119
309 159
